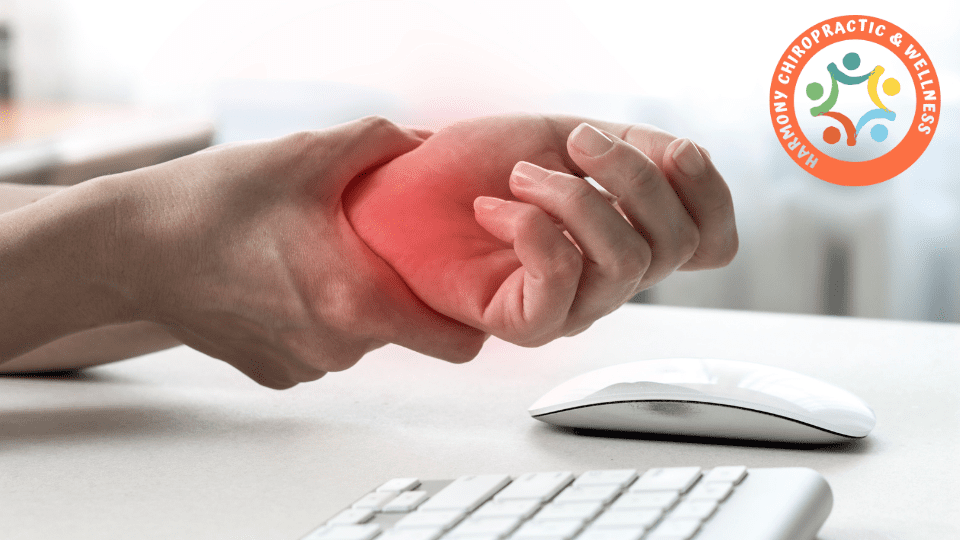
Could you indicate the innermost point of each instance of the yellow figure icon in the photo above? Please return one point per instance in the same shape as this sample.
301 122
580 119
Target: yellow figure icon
891 87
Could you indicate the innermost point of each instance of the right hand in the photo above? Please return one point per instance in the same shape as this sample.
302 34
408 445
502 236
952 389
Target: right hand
244 253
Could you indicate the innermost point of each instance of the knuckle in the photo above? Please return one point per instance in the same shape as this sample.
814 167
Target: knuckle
642 179
530 217
276 379
688 242
532 341
461 355
718 253
567 263
579 330
377 123
344 357
576 191
632 262
729 250
629 266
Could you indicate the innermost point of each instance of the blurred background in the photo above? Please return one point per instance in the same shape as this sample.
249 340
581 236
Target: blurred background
95 86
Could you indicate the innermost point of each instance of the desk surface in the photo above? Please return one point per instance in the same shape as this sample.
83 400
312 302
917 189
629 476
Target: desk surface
177 445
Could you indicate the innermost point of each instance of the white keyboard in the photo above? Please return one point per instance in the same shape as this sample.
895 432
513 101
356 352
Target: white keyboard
675 503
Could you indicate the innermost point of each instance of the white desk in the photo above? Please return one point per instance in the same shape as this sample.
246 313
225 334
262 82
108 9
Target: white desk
176 445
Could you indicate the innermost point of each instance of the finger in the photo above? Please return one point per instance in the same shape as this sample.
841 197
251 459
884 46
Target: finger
709 204
421 132
708 201
650 140
530 307
615 255
360 145
645 195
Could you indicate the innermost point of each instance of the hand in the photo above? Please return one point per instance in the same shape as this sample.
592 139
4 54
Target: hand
243 252
550 254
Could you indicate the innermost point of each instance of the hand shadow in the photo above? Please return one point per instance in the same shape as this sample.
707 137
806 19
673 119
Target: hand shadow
86 376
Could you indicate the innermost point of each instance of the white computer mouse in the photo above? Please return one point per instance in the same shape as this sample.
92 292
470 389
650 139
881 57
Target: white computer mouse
707 397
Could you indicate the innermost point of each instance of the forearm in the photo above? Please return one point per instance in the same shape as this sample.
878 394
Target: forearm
59 282
14 196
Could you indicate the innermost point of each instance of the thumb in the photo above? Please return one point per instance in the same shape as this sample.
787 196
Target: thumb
362 145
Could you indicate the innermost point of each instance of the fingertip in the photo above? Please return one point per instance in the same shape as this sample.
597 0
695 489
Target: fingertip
704 151
589 141
422 133
687 158
485 204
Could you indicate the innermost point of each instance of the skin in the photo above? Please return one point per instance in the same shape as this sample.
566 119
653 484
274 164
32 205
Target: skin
548 258
294 257
85 348
242 252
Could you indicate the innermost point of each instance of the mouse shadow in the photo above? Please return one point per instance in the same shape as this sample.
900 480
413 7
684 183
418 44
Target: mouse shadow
853 446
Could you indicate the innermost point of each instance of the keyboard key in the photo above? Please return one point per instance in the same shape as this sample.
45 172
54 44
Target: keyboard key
669 478
405 502
412 534
584 511
675 529
539 486
497 527
633 519
604 493
317 533
564 529
375 501
726 474
444 519
520 508
594 533
714 491
466 493
694 509
662 500
351 516
345 532
474 537
620 477
400 484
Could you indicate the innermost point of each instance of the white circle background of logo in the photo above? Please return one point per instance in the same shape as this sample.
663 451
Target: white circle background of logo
854 101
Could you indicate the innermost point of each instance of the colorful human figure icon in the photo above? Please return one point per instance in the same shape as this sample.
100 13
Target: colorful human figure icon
815 91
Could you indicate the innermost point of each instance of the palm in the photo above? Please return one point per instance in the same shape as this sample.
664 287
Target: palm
416 212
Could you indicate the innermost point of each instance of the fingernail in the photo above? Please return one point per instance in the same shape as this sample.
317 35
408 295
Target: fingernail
590 140
528 174
488 203
688 159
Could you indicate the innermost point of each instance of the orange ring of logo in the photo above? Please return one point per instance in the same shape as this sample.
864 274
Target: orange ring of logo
849 173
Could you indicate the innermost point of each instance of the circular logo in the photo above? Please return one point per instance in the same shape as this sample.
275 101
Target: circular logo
854 100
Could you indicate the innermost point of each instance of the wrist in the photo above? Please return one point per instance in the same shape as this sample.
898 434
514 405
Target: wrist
125 264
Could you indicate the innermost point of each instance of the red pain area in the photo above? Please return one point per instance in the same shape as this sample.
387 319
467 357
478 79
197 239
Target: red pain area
416 212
